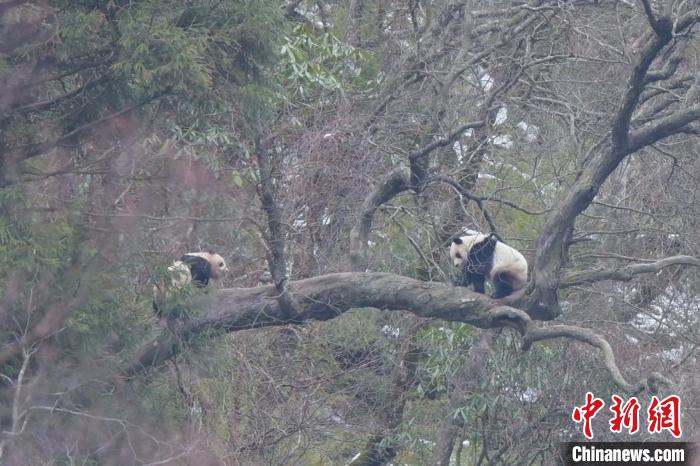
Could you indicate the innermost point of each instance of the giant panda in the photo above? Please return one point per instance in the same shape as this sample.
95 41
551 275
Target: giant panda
484 256
196 268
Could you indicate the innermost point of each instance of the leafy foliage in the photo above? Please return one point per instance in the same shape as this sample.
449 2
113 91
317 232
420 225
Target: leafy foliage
313 63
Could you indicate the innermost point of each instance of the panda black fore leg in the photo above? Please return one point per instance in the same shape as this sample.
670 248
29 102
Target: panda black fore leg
503 288
479 283
468 278
464 280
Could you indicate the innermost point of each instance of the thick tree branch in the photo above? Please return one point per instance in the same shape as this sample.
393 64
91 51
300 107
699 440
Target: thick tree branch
326 297
395 182
635 85
552 246
627 273
650 16
662 128
671 64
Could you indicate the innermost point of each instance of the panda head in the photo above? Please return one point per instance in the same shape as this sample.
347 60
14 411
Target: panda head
460 247
216 262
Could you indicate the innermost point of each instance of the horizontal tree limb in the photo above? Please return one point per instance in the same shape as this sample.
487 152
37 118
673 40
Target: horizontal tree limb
627 273
326 297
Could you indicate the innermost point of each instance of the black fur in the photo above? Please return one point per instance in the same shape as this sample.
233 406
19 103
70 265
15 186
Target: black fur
200 269
478 264
503 287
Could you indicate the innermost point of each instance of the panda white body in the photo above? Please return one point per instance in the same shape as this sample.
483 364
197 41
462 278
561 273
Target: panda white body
483 256
194 267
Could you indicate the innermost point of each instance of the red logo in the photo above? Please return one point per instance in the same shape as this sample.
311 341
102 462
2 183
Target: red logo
662 414
626 416
665 415
587 412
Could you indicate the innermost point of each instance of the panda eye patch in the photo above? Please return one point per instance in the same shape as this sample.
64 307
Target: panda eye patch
221 264
458 255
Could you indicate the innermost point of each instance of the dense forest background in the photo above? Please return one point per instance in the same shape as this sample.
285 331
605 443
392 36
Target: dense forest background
330 150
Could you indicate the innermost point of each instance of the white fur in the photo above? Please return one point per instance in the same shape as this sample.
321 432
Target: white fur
179 274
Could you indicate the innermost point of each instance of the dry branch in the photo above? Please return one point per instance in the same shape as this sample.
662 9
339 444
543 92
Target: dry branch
627 273
587 336
443 141
552 247
394 183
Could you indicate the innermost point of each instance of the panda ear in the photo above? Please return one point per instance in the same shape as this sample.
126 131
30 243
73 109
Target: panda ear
457 241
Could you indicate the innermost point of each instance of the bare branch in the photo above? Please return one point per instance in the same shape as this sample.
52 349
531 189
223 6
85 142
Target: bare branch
650 16
395 182
32 150
390 414
444 141
552 244
49 103
476 198
464 383
587 336
662 128
54 317
19 416
627 273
